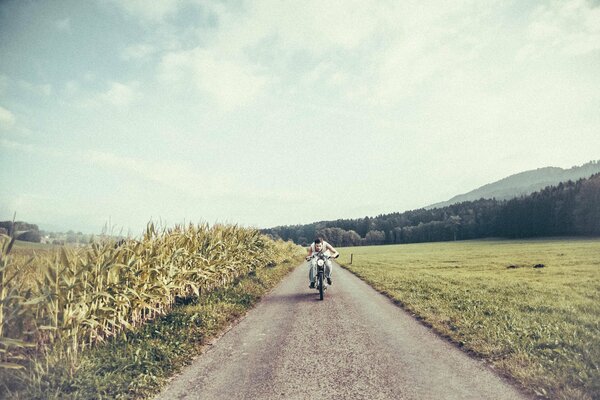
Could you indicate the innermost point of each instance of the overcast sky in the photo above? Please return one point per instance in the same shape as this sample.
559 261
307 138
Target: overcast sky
270 112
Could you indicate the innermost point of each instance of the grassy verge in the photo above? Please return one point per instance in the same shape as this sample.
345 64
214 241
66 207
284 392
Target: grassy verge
540 326
138 364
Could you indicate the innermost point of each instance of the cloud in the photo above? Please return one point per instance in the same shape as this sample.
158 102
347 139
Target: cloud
569 27
3 83
169 173
375 53
138 51
117 95
225 66
231 83
172 174
313 25
7 118
63 25
31 149
414 45
39 89
9 84
155 11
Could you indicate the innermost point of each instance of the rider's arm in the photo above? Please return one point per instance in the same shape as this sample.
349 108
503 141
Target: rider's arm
334 251
309 248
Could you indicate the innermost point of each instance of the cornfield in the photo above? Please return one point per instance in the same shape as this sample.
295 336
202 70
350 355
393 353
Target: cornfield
78 298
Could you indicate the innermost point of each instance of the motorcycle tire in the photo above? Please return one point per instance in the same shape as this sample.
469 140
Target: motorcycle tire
321 287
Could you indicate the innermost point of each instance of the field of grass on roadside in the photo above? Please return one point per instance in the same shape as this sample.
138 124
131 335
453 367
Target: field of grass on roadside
138 364
540 326
29 249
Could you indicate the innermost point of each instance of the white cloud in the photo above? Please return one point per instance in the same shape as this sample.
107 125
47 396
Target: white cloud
417 44
63 25
7 118
118 95
229 82
314 25
44 89
153 11
232 83
41 89
138 51
569 27
374 52
172 174
31 149
225 67
72 88
329 73
3 83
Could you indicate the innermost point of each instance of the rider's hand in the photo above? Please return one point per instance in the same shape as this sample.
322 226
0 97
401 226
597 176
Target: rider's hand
307 258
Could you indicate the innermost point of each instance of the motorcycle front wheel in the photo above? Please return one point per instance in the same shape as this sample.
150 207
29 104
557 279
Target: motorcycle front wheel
321 287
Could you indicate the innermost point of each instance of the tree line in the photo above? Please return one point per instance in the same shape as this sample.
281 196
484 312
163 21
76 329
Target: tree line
567 209
22 230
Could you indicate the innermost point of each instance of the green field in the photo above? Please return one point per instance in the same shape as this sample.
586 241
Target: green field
540 326
30 247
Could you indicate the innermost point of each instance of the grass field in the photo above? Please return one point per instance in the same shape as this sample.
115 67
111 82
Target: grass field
29 248
540 326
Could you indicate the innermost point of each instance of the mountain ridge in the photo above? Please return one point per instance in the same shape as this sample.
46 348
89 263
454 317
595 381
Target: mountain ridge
523 183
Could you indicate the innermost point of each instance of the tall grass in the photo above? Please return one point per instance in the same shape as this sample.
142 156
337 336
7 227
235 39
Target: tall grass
55 306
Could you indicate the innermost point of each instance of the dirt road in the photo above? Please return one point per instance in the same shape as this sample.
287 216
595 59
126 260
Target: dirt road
355 344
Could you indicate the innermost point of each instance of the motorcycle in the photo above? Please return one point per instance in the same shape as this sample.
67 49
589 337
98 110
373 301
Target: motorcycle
321 285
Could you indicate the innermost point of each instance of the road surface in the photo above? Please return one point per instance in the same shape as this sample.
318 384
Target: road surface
356 344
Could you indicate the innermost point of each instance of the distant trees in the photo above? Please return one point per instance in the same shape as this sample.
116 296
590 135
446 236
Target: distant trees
22 230
340 237
570 208
374 237
31 233
19 226
587 215
30 236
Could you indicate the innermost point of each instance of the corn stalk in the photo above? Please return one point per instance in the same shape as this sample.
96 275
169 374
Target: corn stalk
82 297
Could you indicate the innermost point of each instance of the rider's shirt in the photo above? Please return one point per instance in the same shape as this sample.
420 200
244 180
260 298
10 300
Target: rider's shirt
325 249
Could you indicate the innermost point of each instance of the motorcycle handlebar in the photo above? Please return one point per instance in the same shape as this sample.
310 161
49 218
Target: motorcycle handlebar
314 255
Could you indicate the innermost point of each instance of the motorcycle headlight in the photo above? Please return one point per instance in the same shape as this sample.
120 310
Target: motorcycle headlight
320 263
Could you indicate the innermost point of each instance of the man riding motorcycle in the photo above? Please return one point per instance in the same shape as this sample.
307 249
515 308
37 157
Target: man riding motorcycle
317 246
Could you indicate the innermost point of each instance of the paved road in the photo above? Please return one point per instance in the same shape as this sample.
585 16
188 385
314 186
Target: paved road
356 344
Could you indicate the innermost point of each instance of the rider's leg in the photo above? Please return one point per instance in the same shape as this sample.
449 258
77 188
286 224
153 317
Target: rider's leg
312 271
328 268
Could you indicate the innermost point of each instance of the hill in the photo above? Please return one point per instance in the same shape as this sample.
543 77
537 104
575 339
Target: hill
571 208
524 183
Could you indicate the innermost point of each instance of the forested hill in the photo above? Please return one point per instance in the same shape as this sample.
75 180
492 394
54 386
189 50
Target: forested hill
567 209
524 183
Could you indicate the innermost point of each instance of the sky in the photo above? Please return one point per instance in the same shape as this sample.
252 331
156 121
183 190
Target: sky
266 113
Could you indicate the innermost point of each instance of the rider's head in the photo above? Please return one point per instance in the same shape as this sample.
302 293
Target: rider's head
318 244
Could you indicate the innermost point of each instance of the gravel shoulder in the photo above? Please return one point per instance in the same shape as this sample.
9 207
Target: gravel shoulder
356 344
